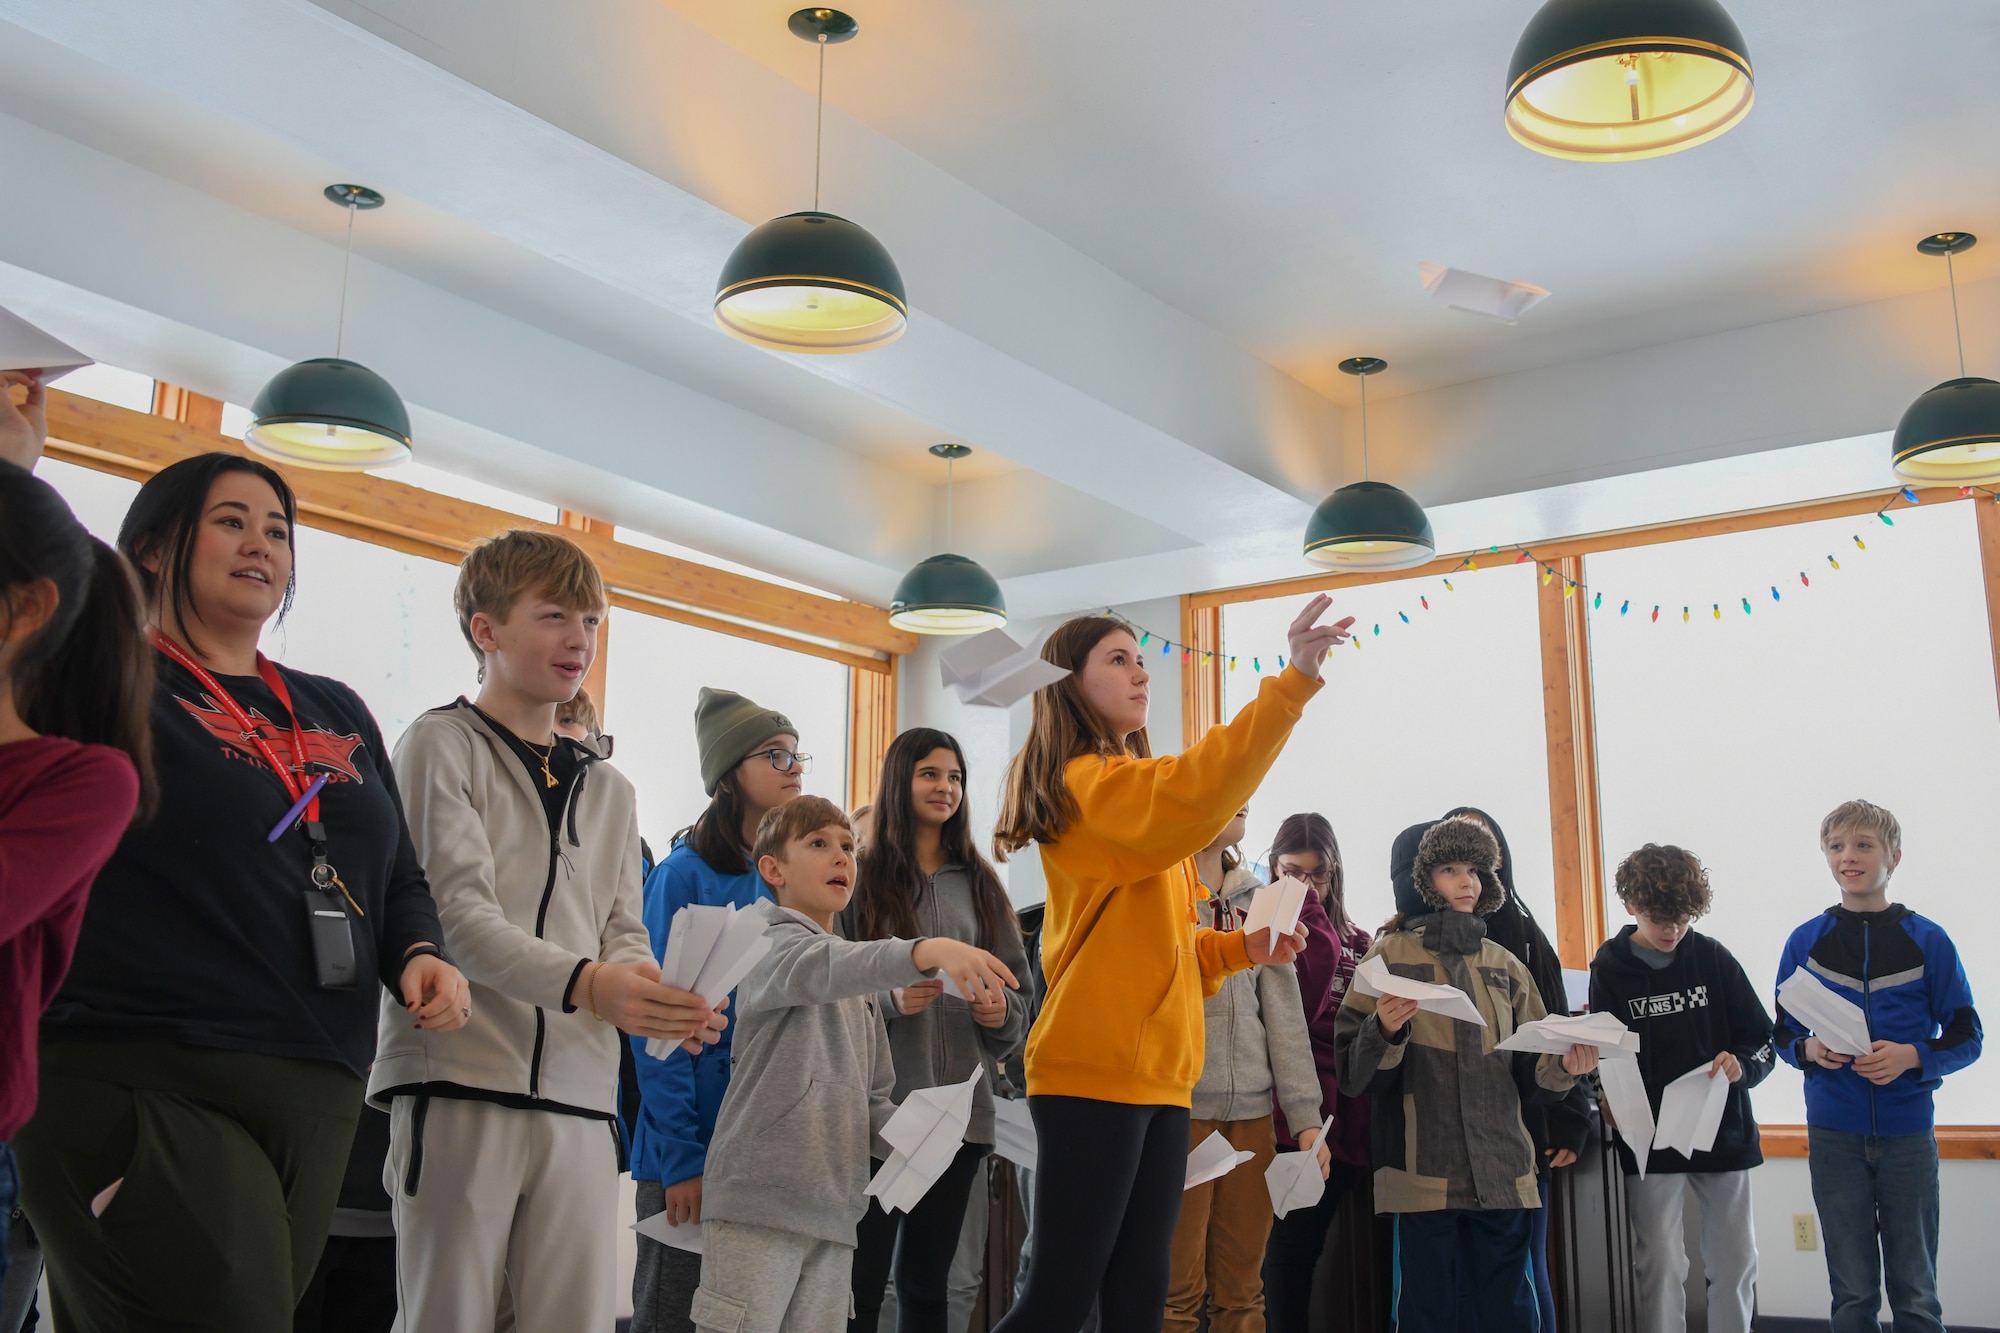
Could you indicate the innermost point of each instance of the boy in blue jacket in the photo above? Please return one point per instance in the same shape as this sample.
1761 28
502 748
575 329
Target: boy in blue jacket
750 764
1870 1141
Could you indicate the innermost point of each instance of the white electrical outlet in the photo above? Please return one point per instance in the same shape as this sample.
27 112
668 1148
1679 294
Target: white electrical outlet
1805 1232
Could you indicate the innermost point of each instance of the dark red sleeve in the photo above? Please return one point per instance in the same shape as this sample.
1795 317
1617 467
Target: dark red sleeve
59 829
1318 966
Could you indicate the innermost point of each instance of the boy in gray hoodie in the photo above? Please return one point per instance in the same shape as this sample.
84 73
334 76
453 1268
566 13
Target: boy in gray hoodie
788 1167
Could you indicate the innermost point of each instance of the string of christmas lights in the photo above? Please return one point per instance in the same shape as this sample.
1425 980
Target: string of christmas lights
1571 587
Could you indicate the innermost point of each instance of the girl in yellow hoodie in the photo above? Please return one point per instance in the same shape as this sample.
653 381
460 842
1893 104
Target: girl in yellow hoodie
1113 1058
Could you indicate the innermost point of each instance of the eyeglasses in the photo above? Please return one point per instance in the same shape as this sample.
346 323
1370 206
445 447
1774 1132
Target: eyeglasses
1319 879
784 760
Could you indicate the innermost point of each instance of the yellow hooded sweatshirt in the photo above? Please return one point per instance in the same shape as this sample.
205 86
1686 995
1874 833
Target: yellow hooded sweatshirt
1127 961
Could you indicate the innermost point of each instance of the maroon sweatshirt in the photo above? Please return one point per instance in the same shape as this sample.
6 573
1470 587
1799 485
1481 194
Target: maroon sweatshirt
63 808
1325 970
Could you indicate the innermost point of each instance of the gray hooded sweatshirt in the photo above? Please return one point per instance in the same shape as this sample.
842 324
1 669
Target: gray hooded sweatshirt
1256 1039
810 1082
943 1045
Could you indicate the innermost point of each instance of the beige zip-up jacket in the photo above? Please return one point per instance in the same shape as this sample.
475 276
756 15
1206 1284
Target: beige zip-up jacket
522 913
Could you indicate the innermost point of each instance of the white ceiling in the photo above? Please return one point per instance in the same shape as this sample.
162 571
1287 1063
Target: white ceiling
1135 243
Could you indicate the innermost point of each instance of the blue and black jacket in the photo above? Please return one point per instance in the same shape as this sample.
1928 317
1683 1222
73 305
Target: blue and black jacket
1904 973
680 1095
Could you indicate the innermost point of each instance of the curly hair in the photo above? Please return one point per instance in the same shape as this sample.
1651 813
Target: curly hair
1663 883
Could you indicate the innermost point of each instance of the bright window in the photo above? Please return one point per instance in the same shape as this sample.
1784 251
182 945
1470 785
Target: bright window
1440 712
657 668
1733 738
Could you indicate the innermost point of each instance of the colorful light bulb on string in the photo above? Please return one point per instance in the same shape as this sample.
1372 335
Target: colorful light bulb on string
1625 606
1774 593
1746 607
1718 610
1521 557
1884 516
1547 574
1684 615
1831 561
1656 615
1472 564
1378 631
1858 542
1257 665
1910 494
1143 638
1803 580
1448 587
1569 590
1404 617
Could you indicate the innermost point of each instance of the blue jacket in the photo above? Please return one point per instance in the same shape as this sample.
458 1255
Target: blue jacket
679 1096
1904 973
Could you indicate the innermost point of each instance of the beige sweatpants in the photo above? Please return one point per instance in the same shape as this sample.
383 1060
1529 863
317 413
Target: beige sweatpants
524 1198
762 1280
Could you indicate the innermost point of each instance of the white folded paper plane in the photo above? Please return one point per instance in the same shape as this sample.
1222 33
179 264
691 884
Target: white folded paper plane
709 950
1836 1020
1212 1159
25 347
1276 908
1294 1178
1625 1090
993 670
1555 1034
1373 977
1014 1133
684 1237
1691 1111
923 1136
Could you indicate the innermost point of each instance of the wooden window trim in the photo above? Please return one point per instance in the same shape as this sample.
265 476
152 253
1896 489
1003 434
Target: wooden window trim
1201 675
1570 718
871 726
418 522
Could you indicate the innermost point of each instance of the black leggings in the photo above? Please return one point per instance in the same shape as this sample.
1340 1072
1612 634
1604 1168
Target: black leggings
1298 1239
930 1234
1107 1195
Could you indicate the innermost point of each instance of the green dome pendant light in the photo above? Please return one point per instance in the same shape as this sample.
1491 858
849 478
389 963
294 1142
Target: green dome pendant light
1369 524
813 282
1951 434
1618 80
948 594
328 413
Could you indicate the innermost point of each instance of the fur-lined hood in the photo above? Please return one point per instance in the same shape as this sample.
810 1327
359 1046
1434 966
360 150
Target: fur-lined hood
1460 842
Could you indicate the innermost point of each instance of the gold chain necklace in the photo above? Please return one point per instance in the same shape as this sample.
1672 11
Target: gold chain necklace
547 777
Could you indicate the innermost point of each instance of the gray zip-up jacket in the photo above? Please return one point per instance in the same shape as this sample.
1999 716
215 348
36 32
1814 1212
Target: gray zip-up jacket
810 1082
1256 1039
943 1044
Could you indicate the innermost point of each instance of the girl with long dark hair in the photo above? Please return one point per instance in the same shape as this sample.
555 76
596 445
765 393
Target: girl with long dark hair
1305 848
75 759
1113 1058
202 1066
922 876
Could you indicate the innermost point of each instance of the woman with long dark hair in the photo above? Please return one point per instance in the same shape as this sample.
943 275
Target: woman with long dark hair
1305 848
922 876
202 1066
75 759
1113 1058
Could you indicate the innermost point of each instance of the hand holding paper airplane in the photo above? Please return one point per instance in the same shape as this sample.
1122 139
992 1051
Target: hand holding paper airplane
1836 1020
687 1236
709 950
1275 908
1691 1110
1212 1159
993 670
1373 977
1555 1034
25 347
923 1135
1296 1179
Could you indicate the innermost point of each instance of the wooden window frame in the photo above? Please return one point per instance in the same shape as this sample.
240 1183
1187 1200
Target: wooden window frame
1569 711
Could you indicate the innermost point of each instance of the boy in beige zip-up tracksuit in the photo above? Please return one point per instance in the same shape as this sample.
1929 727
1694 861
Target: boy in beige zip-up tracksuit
504 1147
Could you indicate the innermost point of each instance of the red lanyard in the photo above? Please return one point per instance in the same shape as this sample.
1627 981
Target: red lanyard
293 777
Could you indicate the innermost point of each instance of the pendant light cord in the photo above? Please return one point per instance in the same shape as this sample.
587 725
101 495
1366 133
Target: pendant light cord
819 121
347 266
1364 428
1957 334
948 464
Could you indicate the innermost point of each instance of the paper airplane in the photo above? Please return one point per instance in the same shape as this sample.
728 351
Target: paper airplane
25 347
924 1135
709 950
1014 1133
1373 977
1555 1034
1212 1159
1625 1090
1294 1178
993 670
1276 908
1836 1020
684 1237
1691 1110
1476 294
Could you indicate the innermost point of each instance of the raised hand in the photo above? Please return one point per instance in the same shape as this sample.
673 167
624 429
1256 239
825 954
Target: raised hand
1310 641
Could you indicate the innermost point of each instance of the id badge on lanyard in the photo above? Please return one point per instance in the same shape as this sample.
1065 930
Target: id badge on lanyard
326 897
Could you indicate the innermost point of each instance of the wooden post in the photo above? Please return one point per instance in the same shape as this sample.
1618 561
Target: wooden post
1986 514
1201 677
1570 719
871 725
597 679
185 405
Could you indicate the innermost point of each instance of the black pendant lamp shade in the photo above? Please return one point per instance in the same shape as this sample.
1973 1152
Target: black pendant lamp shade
811 281
948 594
1368 524
1614 80
1951 434
331 413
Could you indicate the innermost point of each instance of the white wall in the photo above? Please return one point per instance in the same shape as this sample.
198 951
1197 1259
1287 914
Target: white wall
1792 1282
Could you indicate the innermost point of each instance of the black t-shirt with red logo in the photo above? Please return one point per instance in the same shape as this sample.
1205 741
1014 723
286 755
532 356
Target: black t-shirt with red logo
196 929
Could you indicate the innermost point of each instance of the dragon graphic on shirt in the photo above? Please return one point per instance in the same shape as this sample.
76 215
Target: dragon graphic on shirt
326 752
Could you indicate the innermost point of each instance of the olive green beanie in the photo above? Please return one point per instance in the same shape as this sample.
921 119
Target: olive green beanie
727 728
